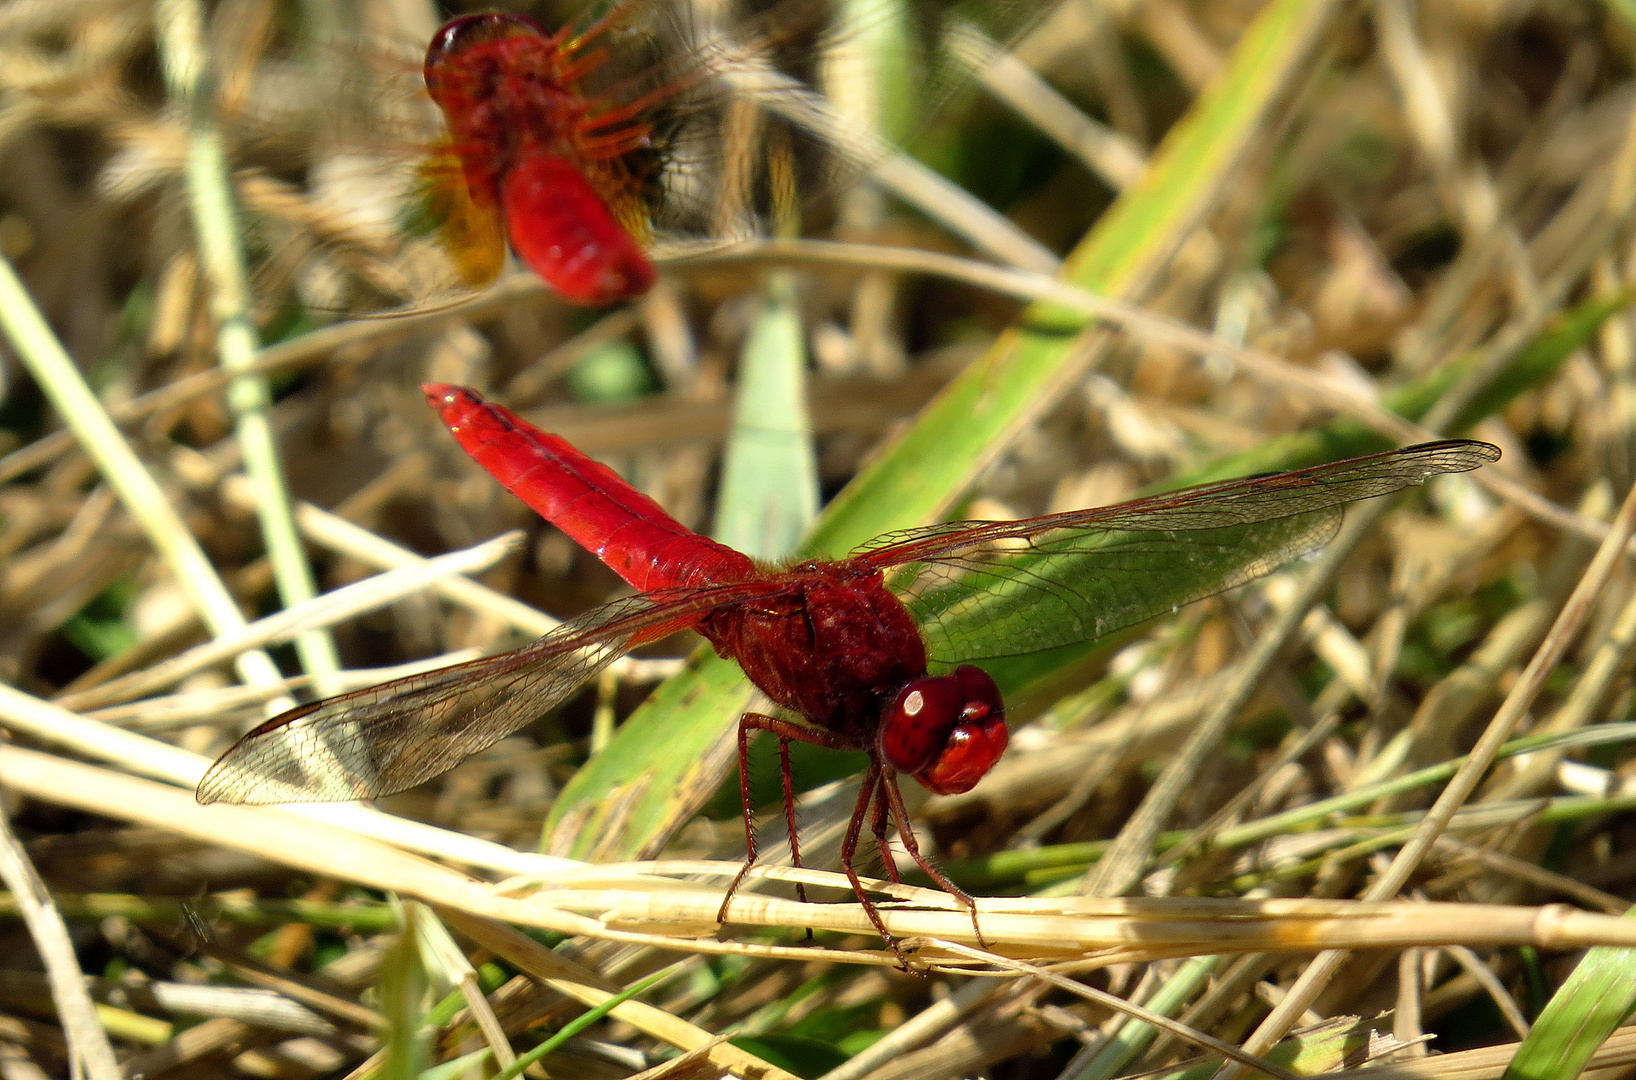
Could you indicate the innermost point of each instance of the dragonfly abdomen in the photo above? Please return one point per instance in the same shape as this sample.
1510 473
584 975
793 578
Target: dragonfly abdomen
628 531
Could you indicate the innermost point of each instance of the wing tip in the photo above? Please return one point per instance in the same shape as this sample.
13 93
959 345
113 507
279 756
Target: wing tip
213 786
1445 456
1475 451
234 783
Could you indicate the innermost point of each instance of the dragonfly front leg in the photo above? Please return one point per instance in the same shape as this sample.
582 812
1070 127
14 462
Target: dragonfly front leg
849 850
906 831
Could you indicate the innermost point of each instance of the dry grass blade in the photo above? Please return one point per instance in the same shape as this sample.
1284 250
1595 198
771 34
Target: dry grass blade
88 1045
326 610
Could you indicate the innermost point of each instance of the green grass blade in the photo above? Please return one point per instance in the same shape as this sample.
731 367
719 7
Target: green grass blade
404 991
1594 1000
585 1020
769 483
1135 1036
1336 1044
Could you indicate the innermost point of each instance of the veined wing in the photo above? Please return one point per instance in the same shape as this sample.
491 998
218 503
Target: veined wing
387 738
1003 588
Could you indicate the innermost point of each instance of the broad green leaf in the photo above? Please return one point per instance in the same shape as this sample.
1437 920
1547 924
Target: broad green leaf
1102 570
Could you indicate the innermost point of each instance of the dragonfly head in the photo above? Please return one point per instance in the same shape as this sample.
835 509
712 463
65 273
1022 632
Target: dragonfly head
453 46
946 731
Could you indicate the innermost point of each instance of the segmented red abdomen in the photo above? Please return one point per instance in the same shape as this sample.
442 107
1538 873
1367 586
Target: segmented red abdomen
585 499
563 230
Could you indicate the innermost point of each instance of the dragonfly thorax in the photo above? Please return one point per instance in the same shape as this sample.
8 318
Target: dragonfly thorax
833 650
496 79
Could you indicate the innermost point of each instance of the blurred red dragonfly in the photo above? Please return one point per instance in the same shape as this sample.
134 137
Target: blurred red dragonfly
847 646
583 144
556 171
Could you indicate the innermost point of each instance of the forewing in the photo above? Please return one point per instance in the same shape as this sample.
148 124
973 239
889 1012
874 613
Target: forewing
1003 588
387 738
380 217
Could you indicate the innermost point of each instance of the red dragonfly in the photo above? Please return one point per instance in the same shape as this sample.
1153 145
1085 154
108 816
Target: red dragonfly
580 145
845 647
559 170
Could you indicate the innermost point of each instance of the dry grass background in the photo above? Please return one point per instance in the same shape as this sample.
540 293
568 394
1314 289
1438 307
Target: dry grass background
1307 230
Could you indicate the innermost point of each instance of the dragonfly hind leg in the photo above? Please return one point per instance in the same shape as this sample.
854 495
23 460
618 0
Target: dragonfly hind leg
787 732
789 814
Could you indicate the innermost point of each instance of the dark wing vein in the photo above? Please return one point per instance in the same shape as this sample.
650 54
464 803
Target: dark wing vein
387 738
1004 588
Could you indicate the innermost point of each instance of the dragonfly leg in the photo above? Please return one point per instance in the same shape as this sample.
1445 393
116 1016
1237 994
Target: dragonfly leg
849 848
744 731
876 786
889 781
789 814
877 825
787 731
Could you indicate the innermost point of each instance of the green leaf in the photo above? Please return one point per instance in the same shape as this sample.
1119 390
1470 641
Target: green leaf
1596 998
769 483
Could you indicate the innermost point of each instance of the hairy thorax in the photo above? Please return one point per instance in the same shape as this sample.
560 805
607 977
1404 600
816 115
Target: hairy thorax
831 650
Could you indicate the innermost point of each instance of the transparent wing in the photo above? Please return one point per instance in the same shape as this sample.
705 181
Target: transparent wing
387 738
718 170
1002 588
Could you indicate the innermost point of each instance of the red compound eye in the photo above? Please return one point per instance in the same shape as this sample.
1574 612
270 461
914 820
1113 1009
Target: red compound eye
945 730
